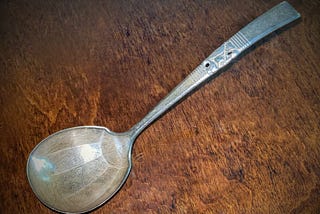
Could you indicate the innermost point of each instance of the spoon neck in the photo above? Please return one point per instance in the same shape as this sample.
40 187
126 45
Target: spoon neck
136 130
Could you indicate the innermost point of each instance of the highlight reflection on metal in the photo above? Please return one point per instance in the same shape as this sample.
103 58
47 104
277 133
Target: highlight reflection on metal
76 170
43 167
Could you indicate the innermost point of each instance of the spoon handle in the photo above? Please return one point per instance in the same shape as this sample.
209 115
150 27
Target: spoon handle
273 19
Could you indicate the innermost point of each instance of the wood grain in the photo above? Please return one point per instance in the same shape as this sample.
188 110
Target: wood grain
246 142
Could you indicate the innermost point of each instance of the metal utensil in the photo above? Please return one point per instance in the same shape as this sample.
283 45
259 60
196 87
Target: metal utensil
77 169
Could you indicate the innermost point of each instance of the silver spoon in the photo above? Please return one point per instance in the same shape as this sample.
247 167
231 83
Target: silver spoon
78 169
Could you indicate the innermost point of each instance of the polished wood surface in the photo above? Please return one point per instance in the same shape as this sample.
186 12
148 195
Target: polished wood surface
246 142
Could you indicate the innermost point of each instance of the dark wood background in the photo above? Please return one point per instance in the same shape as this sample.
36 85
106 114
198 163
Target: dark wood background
246 142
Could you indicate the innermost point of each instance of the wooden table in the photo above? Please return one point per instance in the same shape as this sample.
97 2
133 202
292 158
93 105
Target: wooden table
246 142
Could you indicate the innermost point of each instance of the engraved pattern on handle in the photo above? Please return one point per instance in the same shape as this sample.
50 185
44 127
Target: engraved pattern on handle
228 51
268 22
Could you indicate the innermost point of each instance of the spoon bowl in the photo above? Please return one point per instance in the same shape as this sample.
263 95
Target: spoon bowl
77 169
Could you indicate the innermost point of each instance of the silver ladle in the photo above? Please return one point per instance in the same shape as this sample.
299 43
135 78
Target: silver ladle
78 169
